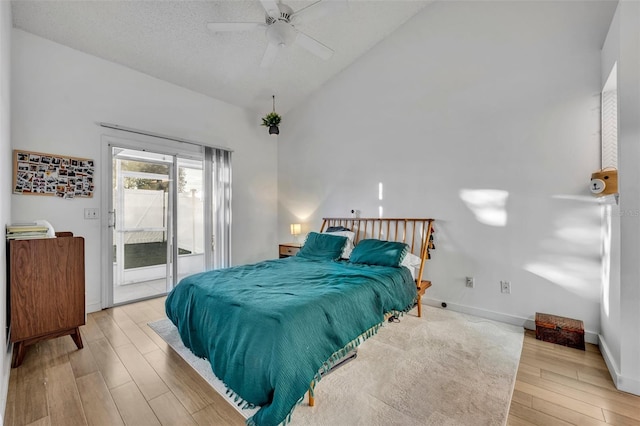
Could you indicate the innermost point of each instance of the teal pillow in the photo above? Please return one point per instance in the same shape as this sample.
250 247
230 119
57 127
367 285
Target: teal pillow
322 246
378 252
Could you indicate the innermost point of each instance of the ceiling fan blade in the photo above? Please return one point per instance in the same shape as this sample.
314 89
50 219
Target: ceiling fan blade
270 55
219 27
314 46
318 10
271 7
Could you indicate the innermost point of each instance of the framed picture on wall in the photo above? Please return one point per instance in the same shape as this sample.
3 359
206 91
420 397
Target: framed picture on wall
37 173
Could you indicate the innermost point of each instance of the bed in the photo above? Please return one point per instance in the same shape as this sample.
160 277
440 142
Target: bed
270 330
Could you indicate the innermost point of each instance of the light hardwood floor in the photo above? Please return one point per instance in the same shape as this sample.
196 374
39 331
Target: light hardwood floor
557 385
127 375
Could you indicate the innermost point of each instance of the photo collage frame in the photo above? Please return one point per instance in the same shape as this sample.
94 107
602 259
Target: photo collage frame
37 173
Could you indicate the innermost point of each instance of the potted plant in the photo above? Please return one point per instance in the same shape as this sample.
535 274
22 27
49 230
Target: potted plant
272 121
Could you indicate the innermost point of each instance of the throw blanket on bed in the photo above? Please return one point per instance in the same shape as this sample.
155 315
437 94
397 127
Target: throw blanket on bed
268 328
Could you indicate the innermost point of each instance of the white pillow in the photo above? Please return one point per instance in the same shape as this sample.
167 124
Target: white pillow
348 247
412 262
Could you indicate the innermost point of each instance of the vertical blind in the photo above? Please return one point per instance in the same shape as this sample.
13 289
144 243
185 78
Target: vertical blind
218 166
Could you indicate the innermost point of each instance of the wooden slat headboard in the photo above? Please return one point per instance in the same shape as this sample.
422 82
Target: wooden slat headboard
416 233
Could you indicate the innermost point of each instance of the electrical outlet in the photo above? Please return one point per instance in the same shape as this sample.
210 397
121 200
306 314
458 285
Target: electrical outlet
505 287
470 282
91 214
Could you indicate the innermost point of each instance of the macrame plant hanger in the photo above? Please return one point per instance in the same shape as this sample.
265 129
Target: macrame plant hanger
274 129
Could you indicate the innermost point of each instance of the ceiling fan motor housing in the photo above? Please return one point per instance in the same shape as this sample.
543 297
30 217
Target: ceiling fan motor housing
285 14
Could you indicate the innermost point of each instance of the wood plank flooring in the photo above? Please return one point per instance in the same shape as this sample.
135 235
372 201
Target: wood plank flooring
557 385
127 375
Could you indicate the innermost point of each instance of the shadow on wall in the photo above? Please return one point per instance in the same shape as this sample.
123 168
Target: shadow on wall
489 206
569 238
572 252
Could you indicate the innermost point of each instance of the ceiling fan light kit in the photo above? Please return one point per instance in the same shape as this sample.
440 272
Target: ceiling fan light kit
280 29
281 34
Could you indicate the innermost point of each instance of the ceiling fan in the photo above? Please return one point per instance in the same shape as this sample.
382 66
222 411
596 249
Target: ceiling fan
280 21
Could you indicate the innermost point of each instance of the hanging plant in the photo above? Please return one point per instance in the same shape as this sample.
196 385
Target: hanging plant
272 120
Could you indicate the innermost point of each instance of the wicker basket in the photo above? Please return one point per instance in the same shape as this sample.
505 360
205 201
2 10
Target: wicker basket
560 330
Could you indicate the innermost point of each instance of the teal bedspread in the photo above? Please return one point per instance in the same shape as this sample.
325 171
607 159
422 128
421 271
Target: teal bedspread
269 327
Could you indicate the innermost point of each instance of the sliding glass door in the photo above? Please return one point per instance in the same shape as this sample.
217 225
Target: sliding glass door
157 233
142 224
191 236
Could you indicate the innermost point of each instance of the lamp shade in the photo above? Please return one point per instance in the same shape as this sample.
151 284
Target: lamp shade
296 228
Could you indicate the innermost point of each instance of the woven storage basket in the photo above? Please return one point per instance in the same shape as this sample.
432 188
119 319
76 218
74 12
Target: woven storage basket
560 330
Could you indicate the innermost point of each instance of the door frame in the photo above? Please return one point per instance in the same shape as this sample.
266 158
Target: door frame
139 143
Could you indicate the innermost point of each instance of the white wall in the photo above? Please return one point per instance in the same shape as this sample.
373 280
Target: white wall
59 96
629 152
469 96
610 304
5 184
620 337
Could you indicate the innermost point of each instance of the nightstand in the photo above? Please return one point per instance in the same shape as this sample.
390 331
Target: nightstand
289 249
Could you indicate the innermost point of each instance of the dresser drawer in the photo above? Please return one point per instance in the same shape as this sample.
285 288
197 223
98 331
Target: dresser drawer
288 250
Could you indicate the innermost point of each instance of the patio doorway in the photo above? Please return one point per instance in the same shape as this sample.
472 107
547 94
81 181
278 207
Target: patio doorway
157 233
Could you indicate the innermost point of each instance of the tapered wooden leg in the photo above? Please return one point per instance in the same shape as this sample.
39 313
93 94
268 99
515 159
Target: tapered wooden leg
77 338
18 354
19 348
312 400
422 287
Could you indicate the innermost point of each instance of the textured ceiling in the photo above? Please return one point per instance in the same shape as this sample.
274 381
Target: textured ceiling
169 40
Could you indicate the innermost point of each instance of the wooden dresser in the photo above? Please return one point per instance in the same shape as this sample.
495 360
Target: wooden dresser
46 290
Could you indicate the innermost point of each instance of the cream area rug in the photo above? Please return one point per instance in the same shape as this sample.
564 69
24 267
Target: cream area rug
443 369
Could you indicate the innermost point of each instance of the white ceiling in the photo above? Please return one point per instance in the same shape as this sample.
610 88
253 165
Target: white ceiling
168 39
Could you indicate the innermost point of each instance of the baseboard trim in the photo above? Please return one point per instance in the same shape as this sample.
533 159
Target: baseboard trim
529 324
612 366
94 307
621 382
5 382
627 384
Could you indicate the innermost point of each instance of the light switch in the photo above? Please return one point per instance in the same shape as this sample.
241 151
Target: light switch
91 214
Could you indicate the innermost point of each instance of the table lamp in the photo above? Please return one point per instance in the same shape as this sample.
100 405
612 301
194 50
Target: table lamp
296 228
